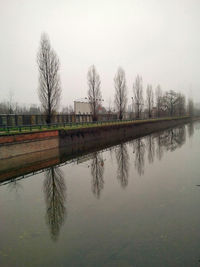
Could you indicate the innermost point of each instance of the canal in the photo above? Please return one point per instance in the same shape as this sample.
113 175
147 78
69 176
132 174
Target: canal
133 204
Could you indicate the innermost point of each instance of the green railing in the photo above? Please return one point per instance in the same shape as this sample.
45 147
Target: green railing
38 127
71 125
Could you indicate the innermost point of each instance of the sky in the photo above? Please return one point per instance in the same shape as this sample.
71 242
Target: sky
156 39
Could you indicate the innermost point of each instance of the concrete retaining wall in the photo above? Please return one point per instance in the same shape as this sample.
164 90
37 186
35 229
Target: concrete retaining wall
106 134
15 145
15 149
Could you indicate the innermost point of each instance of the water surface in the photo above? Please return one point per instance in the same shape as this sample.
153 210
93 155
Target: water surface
135 204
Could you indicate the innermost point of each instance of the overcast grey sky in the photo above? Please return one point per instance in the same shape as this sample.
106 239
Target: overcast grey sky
157 39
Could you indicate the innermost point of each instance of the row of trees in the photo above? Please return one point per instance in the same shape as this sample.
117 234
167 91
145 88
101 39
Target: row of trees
157 103
7 107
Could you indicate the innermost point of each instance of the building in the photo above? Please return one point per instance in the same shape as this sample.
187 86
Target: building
82 108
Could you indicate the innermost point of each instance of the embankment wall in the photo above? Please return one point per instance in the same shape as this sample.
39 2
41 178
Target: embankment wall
15 145
114 133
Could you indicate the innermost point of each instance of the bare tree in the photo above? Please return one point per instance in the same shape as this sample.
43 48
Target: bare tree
94 92
190 107
138 96
181 105
158 100
149 99
49 90
11 104
170 101
120 92
67 110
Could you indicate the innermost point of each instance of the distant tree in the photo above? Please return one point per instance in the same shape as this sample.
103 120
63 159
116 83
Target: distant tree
149 100
138 96
109 109
3 108
171 101
49 90
158 100
11 104
8 106
120 92
71 110
34 109
94 92
181 105
190 107
67 110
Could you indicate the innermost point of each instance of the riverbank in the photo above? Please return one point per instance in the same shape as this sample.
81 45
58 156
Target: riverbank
24 164
21 144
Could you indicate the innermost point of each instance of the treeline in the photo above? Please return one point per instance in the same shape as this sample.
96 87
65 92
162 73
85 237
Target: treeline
157 103
7 107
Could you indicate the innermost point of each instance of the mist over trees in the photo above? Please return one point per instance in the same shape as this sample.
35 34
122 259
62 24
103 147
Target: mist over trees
120 92
15 108
49 89
154 102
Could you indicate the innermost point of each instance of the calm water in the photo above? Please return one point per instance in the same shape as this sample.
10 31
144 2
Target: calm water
136 204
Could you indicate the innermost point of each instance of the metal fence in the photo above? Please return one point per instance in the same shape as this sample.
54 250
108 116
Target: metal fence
24 120
37 127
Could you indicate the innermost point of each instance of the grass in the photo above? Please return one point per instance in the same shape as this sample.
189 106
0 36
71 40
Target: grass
72 126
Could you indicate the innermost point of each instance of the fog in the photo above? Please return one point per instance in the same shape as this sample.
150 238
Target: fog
157 39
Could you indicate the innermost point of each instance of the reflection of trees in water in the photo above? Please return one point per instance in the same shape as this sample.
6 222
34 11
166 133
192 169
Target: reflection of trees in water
150 148
97 170
190 128
159 150
171 139
174 138
123 164
139 151
196 125
55 196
